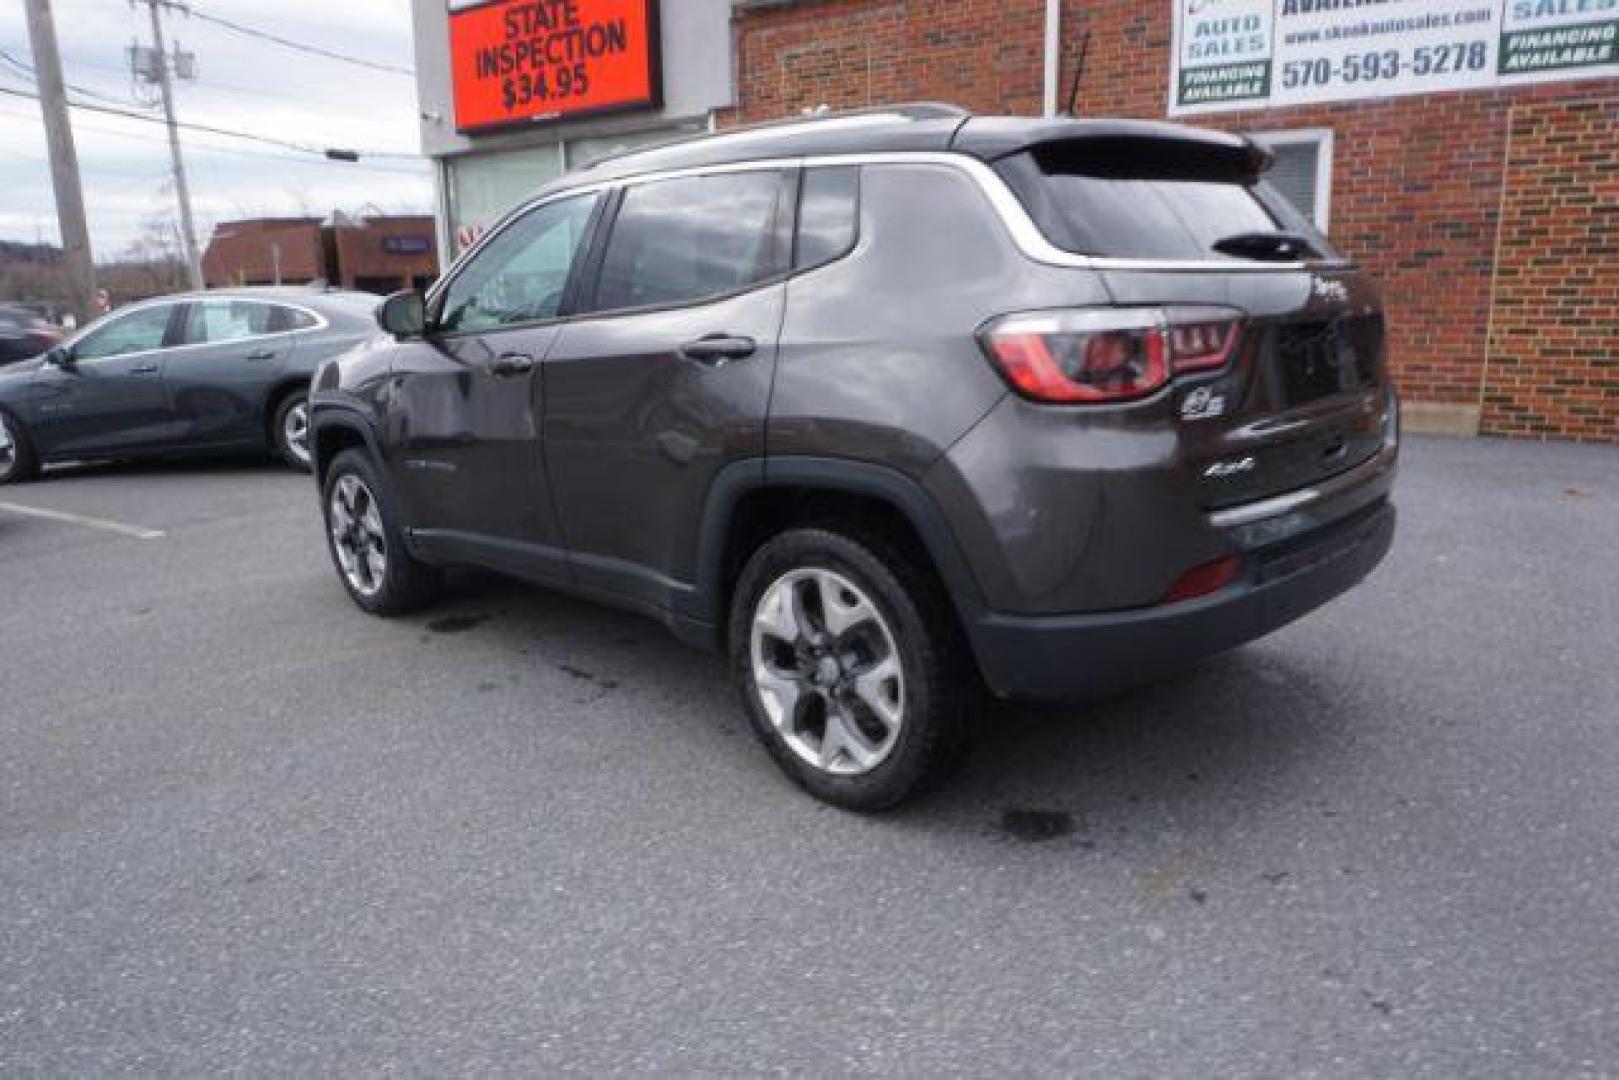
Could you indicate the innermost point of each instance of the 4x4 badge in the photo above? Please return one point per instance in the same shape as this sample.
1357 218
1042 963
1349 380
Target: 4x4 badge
1202 404
1335 292
1229 468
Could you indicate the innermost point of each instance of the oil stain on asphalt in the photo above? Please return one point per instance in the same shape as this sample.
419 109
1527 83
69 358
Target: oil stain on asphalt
1035 826
457 624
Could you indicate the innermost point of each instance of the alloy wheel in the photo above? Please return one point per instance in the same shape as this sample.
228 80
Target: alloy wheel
358 539
8 449
295 431
827 671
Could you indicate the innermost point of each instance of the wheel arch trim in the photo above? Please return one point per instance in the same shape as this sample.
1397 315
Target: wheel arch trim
837 475
325 414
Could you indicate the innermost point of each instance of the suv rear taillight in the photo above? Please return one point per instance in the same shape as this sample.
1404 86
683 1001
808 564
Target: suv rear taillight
1095 355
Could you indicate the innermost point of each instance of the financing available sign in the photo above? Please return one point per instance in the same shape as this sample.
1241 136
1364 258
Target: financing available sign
526 61
1246 54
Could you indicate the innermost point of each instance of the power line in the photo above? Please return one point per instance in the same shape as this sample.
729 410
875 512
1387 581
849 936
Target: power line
211 130
206 85
28 69
288 43
233 151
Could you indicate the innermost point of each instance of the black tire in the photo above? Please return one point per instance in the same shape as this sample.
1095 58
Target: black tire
288 452
941 692
405 582
19 463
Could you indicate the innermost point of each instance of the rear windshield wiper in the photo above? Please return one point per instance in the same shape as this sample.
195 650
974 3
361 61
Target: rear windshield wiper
1267 246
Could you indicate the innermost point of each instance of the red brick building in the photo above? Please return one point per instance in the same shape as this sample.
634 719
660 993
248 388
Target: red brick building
1490 214
373 254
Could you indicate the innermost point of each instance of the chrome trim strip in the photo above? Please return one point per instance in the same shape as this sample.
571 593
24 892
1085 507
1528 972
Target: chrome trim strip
1024 232
321 323
1248 513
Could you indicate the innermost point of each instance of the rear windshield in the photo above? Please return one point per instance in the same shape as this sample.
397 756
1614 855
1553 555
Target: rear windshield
1107 204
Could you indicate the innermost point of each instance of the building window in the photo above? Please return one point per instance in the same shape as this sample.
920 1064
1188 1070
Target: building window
480 188
1303 170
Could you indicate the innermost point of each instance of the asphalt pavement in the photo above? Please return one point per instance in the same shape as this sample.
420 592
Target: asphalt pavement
245 827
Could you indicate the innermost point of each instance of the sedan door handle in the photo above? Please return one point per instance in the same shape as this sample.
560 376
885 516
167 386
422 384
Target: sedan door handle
716 349
262 354
511 364
143 369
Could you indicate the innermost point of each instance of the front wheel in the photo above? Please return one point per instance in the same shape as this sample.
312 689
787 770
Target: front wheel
851 667
367 540
17 461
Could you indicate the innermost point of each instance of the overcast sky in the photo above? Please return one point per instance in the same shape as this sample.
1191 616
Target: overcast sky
243 84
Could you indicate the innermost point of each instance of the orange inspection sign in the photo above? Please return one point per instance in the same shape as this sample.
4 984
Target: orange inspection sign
521 61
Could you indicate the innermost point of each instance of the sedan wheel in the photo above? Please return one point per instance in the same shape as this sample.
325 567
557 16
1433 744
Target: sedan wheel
295 432
16 458
358 538
289 431
8 449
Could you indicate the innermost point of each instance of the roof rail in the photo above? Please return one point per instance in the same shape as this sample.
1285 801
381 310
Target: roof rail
904 110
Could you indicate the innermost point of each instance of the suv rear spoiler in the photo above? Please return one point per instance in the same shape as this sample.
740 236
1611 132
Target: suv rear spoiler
1135 145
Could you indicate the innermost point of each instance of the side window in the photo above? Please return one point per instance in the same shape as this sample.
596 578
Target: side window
284 318
136 332
519 277
213 322
679 241
828 215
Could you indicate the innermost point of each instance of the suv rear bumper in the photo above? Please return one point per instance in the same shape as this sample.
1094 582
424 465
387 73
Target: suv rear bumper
1085 655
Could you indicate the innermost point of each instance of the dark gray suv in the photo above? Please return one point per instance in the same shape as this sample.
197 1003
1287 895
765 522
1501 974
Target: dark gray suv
892 407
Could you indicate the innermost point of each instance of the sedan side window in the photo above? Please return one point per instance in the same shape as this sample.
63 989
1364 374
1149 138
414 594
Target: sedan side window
211 322
688 239
139 331
290 318
520 275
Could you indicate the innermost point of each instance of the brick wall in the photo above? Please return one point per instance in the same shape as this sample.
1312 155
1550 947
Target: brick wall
364 258
1419 183
1554 340
242 252
985 55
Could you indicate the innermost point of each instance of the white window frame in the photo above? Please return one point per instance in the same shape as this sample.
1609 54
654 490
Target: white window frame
1323 140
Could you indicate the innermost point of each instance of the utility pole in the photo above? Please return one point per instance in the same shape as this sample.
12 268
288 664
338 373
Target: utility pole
182 192
81 270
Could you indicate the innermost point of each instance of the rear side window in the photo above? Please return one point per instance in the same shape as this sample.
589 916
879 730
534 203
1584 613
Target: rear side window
1102 202
217 321
689 239
828 215
288 318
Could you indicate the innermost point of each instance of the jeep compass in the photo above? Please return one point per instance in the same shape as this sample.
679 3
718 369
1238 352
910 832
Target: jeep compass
892 407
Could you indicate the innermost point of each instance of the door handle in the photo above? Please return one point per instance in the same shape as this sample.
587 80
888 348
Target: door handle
143 369
262 354
716 349
511 364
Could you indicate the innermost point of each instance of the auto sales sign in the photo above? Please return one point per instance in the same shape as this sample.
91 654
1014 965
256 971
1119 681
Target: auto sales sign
528 61
1245 54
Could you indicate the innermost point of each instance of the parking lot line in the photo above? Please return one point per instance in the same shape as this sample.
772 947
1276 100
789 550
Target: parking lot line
136 531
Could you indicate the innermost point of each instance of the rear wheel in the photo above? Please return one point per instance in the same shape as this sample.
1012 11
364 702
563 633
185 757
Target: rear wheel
291 430
367 541
17 460
850 667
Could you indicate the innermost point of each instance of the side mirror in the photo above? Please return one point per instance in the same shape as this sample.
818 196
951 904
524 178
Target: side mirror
404 314
59 356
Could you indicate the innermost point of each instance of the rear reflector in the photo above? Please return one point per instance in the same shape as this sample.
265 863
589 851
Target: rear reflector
1096 355
1202 580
